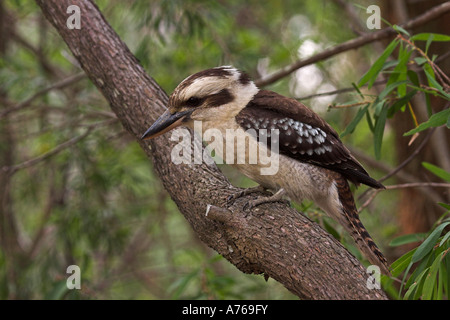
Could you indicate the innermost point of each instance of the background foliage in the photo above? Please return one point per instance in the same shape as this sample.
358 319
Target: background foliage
76 189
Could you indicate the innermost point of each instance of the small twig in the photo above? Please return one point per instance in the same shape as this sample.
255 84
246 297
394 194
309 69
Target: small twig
31 162
401 175
418 184
337 106
410 158
56 150
338 91
402 186
59 85
218 214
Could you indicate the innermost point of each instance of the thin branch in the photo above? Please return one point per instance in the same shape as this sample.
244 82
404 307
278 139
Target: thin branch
410 158
56 150
418 184
58 85
338 91
431 14
349 105
31 162
400 175
41 58
374 192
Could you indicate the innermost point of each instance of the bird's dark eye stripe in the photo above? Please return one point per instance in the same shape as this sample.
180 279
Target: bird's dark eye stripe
193 101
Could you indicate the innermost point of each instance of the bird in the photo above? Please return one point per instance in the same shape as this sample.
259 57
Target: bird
313 163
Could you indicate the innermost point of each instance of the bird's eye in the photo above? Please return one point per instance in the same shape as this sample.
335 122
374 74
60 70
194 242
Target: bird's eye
193 101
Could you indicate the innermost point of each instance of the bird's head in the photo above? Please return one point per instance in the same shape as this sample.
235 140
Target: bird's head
209 95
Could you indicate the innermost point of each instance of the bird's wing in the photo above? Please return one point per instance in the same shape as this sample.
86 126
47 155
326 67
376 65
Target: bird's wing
303 135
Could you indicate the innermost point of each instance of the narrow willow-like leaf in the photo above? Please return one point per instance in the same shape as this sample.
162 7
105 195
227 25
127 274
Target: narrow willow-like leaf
402 263
436 120
390 87
429 243
400 29
445 238
408 238
426 36
427 45
395 107
441 173
371 75
413 291
429 285
413 77
379 132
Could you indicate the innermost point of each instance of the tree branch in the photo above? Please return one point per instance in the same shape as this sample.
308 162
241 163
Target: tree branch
272 239
374 192
31 162
353 44
59 85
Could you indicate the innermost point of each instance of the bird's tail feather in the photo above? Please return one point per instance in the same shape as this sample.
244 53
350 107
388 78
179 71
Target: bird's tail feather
351 222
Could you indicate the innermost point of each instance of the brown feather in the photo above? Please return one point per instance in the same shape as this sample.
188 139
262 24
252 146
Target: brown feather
303 135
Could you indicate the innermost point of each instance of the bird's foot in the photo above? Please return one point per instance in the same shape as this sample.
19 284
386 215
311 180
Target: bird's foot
277 197
245 192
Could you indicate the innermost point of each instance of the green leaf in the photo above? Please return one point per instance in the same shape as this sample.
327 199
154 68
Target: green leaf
389 88
414 290
447 274
426 36
378 106
444 205
413 77
352 125
371 75
401 263
430 280
357 90
427 46
436 120
444 238
408 238
379 132
395 107
401 30
389 64
369 121
441 173
402 69
432 81
429 243
442 280
420 60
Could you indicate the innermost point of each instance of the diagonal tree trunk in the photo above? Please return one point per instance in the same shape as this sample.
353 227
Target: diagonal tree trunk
272 239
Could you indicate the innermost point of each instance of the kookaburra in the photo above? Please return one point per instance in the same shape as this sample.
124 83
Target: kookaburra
313 162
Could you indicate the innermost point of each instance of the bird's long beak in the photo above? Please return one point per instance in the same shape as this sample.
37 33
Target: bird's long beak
164 123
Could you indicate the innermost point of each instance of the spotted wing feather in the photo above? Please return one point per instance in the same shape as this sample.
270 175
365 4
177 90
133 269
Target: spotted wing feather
303 135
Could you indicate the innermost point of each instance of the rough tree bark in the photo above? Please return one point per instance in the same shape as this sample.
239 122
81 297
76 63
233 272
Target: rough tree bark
272 239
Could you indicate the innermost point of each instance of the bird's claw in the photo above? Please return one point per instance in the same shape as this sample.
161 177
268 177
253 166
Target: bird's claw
231 198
